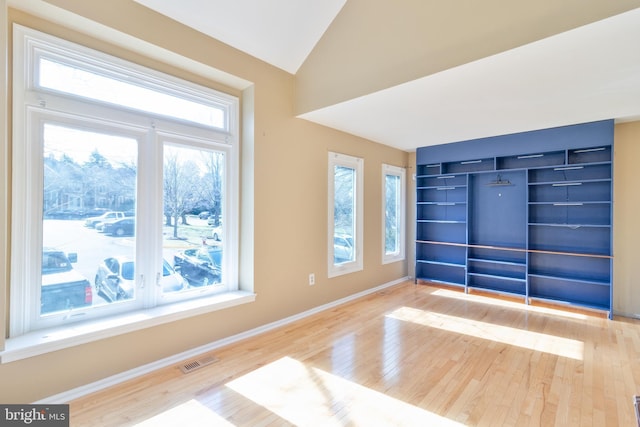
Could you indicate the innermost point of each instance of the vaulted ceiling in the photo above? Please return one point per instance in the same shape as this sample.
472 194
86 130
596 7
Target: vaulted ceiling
411 73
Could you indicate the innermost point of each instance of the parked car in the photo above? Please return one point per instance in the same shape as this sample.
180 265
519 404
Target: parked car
95 212
107 216
64 214
342 248
200 266
63 288
115 278
120 227
216 233
204 214
172 281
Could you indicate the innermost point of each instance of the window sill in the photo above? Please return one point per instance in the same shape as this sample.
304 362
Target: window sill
48 340
391 259
336 270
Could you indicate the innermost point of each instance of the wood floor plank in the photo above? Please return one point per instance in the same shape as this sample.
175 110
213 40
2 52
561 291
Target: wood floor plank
411 355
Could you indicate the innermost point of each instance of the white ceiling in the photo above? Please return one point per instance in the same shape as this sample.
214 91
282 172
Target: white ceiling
587 74
280 32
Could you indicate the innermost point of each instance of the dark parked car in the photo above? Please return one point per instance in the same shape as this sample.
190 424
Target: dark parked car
63 288
64 214
115 278
120 227
200 266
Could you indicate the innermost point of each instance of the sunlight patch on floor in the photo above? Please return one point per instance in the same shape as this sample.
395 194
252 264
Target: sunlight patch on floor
536 341
504 303
191 413
304 395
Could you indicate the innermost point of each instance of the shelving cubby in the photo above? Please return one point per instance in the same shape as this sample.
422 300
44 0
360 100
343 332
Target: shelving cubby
497 232
570 224
441 228
570 278
501 270
446 272
524 161
429 169
536 224
473 165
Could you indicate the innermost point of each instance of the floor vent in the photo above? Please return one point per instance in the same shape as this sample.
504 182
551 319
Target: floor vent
197 364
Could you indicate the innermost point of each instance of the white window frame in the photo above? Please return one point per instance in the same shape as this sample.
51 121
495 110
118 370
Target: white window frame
357 164
32 105
390 170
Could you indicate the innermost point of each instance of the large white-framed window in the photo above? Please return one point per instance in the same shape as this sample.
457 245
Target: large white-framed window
125 187
393 213
346 214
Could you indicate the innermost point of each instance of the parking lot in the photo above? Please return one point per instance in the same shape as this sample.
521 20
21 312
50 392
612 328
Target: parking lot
92 247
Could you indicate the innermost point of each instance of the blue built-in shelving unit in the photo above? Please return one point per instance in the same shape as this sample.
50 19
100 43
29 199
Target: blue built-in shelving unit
527 214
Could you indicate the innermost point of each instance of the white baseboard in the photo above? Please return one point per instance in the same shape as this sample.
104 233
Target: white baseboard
93 387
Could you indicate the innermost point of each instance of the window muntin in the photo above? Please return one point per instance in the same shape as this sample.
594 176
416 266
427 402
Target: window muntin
393 210
72 155
345 214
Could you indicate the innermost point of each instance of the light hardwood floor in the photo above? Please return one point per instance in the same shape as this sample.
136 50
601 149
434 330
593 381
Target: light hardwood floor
411 355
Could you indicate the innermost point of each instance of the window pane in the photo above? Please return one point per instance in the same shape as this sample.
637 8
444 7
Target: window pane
89 195
392 214
75 81
97 149
193 243
344 214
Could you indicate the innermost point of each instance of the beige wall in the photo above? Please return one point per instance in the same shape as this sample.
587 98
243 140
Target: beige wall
626 226
288 207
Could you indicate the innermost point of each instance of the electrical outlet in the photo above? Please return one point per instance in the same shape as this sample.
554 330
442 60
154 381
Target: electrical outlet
312 279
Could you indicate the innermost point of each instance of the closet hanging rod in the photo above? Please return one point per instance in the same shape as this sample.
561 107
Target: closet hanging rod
566 184
590 150
531 156
499 182
568 168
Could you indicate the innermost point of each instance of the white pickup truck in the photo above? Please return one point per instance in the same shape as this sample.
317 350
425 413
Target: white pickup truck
105 217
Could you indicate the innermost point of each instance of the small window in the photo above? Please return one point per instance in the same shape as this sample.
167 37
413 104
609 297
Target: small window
393 213
345 214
